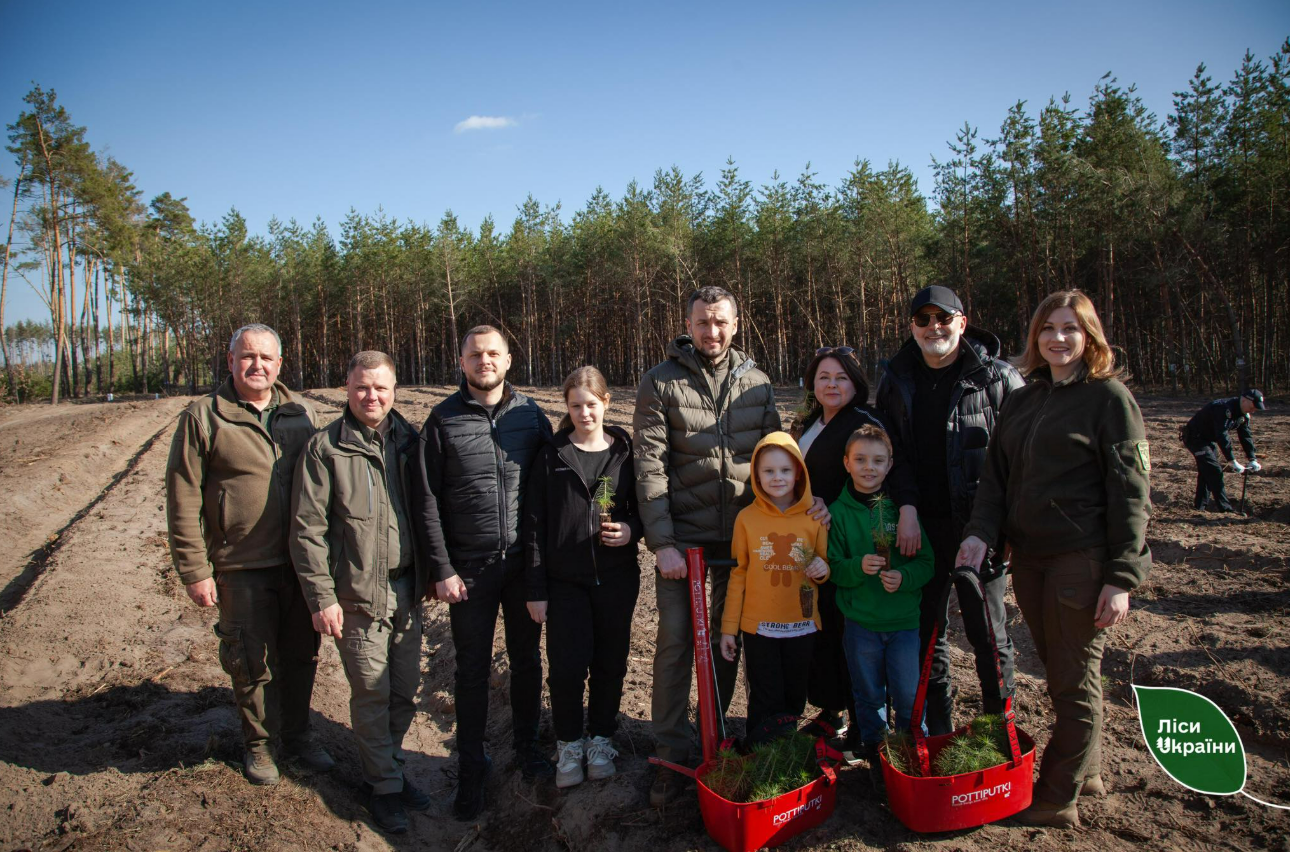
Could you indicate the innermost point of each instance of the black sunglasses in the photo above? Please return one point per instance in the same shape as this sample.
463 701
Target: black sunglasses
941 317
825 351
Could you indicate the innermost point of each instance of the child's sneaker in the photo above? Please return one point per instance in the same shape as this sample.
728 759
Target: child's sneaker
600 758
568 763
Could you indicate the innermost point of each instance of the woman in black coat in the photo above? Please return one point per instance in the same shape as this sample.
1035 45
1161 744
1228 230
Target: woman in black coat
840 406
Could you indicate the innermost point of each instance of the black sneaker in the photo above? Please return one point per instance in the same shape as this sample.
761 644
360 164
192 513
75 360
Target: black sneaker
388 813
533 762
470 790
412 798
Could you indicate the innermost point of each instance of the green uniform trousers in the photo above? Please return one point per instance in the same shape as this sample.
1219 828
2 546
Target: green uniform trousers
674 658
382 658
1058 597
269 648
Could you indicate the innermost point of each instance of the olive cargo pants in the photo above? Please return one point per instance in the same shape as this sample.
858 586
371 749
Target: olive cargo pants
382 658
1058 597
674 657
269 649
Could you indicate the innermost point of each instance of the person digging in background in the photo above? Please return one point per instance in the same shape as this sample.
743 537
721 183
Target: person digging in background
582 575
1206 435
228 503
353 549
772 598
880 593
1066 483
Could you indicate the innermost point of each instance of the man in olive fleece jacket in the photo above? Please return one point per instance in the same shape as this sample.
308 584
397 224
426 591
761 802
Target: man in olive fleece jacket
353 548
228 496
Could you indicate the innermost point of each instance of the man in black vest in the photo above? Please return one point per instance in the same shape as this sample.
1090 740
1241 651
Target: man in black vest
476 451
939 398
1206 435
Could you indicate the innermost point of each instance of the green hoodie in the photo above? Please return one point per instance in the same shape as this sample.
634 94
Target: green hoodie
861 596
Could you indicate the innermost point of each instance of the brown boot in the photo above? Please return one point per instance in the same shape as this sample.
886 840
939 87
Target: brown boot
1093 786
1042 813
666 787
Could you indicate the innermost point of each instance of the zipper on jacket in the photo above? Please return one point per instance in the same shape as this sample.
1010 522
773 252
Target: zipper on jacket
1052 501
370 486
223 523
501 489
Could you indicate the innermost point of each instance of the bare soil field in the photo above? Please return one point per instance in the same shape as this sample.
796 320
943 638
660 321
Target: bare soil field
117 729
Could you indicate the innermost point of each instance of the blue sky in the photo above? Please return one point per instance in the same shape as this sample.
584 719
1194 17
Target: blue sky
301 109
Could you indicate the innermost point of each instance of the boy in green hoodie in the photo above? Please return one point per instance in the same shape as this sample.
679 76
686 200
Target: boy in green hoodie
879 595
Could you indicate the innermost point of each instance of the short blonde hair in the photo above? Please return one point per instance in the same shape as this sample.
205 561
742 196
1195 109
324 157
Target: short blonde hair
869 432
1098 356
370 359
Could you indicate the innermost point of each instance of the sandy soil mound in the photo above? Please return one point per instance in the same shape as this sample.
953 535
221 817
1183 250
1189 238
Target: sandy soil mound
117 730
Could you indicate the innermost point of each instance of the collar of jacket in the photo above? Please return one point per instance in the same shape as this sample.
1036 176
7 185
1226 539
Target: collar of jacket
977 348
353 434
618 450
1045 374
508 394
228 407
683 352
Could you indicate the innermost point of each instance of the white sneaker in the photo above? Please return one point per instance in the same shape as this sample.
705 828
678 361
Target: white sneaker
568 763
600 758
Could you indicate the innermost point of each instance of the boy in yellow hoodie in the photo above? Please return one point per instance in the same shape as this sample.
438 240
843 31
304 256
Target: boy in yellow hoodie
773 590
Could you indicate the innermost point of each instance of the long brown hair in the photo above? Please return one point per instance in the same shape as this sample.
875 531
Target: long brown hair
1098 356
588 378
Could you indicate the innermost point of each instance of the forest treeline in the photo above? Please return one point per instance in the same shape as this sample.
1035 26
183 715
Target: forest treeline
1179 229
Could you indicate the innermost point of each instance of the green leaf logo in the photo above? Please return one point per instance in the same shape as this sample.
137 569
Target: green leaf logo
1191 739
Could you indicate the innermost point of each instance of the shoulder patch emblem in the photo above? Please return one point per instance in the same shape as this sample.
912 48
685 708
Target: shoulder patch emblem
1144 456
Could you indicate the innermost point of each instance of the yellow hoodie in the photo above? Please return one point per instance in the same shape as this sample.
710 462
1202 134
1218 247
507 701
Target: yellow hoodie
769 593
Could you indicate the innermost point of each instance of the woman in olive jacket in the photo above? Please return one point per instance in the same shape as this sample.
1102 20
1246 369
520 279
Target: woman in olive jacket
841 406
1066 486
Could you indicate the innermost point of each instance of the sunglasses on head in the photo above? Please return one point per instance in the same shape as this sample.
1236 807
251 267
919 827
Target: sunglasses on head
834 350
941 317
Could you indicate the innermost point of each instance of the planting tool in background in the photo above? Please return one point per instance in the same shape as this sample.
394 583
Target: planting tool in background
743 826
1245 477
946 803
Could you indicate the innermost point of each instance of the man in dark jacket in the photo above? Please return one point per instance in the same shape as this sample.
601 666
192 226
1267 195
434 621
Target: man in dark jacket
476 451
939 398
352 546
228 502
698 417
1206 435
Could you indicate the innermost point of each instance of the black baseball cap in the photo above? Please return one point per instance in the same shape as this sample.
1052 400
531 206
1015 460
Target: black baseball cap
1256 397
942 297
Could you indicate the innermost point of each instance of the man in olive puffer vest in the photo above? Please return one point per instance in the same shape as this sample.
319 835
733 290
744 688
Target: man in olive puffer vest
353 547
698 417
228 500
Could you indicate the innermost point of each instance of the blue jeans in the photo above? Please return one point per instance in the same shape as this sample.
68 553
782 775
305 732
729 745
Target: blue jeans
881 663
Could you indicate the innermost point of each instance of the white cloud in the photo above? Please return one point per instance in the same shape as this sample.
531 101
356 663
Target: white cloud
484 122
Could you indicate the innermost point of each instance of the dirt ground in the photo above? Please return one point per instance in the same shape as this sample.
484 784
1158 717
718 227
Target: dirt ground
117 729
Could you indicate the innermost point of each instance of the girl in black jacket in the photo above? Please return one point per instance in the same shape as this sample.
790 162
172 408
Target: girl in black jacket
580 532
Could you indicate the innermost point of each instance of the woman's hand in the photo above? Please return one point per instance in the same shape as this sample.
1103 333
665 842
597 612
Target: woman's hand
537 611
817 570
614 534
1112 607
872 563
971 553
728 646
819 511
892 579
908 536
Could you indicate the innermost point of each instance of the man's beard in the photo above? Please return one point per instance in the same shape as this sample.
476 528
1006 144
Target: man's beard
487 383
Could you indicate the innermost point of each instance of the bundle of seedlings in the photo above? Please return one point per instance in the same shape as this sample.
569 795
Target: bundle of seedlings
983 745
898 746
771 769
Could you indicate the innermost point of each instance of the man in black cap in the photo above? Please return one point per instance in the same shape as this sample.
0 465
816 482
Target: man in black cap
1206 433
939 397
